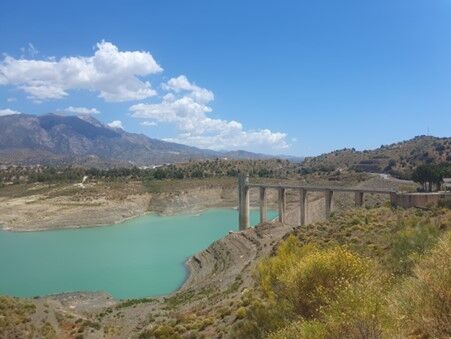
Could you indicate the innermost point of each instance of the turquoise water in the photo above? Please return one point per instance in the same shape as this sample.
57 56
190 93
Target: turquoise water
141 257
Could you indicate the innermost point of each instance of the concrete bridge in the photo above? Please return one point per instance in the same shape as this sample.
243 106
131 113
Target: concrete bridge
243 197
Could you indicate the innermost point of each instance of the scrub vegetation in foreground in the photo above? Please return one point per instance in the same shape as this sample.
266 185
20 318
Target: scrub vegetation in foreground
365 273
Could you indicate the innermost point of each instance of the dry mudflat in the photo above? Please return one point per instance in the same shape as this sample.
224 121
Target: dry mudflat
34 207
37 207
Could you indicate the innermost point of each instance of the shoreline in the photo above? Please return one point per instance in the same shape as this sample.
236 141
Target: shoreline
83 293
189 270
192 212
98 206
39 212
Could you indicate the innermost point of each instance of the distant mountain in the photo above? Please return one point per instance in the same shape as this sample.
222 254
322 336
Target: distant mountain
72 140
398 158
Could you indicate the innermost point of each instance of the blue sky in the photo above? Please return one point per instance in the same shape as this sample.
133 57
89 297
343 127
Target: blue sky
292 77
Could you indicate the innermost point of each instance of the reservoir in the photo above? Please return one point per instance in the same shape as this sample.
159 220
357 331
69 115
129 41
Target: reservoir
141 257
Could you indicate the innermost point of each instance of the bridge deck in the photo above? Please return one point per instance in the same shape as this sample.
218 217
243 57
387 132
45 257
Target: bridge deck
244 186
322 189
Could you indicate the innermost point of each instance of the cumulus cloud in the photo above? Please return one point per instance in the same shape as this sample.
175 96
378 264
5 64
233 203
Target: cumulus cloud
81 110
181 83
7 111
115 75
116 124
187 106
118 76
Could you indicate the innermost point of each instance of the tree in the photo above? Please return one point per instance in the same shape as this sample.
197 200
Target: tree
430 174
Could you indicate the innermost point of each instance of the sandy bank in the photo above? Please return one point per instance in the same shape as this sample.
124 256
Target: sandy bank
70 206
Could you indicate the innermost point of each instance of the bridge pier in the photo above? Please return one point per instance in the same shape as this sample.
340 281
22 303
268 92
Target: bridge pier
243 201
328 202
302 206
358 198
394 199
282 204
263 204
244 209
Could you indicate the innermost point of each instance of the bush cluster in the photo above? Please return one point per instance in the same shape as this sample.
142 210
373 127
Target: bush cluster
312 291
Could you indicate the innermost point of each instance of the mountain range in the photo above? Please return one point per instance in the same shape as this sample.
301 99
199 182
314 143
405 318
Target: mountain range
53 139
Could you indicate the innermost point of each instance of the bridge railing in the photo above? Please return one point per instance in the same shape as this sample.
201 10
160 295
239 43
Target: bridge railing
243 197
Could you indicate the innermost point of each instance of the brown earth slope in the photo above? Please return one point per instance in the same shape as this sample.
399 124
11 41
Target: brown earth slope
398 158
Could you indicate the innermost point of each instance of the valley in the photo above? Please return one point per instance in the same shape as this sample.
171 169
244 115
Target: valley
219 276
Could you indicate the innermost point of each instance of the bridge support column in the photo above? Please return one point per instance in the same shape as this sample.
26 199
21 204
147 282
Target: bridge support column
302 203
281 204
328 202
358 199
263 204
394 199
243 201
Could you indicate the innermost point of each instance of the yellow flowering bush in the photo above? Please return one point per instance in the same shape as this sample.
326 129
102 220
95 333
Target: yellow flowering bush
307 276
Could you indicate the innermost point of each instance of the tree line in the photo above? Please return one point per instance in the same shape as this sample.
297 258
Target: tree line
199 169
430 175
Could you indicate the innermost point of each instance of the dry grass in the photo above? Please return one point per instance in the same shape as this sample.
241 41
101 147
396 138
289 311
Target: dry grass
15 318
422 303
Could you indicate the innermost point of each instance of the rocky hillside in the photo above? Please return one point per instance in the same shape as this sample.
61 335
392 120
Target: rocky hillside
398 159
66 140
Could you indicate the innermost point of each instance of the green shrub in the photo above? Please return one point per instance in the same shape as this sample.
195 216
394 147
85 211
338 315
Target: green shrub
301 329
241 313
329 291
414 239
160 331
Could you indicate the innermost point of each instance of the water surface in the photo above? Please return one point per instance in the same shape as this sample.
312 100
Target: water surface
141 257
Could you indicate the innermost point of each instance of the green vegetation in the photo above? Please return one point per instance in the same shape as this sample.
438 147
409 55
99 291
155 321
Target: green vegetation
191 170
422 303
365 273
133 302
398 159
430 174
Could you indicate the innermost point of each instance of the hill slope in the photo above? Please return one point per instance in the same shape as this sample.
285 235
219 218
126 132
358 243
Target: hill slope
67 140
398 158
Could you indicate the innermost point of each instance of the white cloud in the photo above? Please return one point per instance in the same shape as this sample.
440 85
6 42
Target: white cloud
82 110
120 76
11 99
148 123
116 75
181 83
116 124
8 111
186 105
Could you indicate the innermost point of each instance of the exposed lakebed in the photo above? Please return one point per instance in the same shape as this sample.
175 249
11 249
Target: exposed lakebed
141 257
